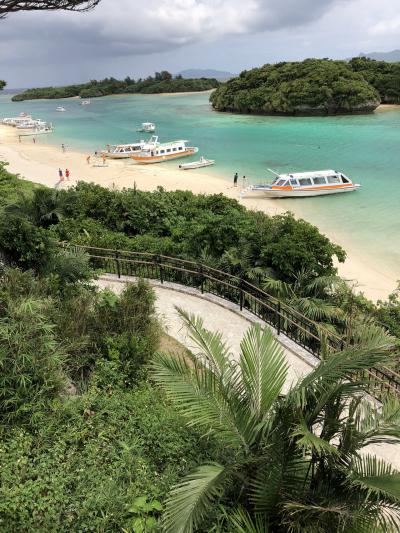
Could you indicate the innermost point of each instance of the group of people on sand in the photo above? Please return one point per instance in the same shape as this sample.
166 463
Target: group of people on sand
61 175
235 180
103 157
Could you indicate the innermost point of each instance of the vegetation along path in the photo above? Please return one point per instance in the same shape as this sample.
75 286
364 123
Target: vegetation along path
220 315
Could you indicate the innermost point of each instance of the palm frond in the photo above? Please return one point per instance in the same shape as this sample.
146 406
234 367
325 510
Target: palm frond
243 522
376 477
200 396
189 502
277 287
264 368
310 442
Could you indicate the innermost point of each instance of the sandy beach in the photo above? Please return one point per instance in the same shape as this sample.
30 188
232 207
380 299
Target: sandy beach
39 162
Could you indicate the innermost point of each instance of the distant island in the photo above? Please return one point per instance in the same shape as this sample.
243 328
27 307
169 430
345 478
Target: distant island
220 75
392 56
311 87
162 82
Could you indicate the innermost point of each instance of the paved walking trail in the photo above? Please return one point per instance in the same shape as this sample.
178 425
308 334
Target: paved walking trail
219 315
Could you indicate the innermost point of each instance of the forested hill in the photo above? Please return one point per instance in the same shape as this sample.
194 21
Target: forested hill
313 86
162 82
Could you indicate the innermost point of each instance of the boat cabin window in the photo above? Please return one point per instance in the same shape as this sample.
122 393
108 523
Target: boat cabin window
280 183
168 150
344 179
174 149
319 181
304 182
293 182
333 179
162 151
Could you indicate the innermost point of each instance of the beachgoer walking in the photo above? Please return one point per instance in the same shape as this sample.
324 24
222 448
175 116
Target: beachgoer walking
235 178
67 174
34 140
244 181
60 174
63 147
88 160
19 138
103 156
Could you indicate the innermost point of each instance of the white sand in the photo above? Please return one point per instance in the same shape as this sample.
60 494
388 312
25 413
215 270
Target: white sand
39 163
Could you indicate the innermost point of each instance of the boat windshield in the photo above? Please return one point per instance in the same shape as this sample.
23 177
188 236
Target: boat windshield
280 182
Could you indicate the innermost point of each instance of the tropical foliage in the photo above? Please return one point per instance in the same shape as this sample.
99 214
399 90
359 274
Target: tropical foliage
299 461
313 86
161 82
384 76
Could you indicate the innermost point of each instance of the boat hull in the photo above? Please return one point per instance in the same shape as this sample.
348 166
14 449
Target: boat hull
190 166
296 193
144 160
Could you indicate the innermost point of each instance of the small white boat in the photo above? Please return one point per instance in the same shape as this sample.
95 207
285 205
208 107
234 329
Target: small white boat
60 108
303 184
202 162
22 114
165 152
147 127
85 102
31 124
39 130
124 151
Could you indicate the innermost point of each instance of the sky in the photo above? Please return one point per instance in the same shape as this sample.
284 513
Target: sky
137 38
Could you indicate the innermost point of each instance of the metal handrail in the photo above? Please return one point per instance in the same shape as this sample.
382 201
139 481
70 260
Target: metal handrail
303 331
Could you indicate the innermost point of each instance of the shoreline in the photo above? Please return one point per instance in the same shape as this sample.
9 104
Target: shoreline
39 162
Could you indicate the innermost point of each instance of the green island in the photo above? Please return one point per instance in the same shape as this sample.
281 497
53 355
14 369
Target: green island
108 424
162 82
311 87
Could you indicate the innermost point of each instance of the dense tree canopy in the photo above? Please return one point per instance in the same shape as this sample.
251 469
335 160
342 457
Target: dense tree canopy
12 6
2 84
384 76
161 82
313 86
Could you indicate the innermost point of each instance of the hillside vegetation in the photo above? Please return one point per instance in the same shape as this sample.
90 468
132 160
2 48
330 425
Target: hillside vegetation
162 82
311 87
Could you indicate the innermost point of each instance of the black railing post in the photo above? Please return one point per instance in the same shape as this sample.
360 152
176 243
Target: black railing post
241 295
117 263
278 317
157 260
201 278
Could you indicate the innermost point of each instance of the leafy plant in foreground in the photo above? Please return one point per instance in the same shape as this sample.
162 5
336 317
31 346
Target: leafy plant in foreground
298 461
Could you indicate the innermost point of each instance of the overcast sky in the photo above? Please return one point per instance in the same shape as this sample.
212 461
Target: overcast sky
136 38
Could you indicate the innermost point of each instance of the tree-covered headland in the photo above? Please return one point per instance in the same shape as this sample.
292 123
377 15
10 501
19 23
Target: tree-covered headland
161 82
311 87
107 424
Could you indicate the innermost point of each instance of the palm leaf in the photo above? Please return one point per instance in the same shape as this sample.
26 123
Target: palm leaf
264 368
243 522
190 501
376 477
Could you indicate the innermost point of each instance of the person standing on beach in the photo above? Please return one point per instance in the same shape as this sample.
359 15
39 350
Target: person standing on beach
244 181
34 140
235 179
67 174
88 160
60 174
63 147
103 156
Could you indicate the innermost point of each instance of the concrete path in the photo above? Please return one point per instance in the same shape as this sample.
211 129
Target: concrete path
223 316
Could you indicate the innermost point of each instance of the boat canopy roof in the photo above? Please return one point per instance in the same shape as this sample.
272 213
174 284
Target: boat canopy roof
315 173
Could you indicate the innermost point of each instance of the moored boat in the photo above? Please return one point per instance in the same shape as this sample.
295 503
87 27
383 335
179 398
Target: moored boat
60 108
165 152
147 127
304 184
38 130
123 151
202 162
85 102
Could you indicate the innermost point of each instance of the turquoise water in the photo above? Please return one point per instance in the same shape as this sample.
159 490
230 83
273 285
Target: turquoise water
367 148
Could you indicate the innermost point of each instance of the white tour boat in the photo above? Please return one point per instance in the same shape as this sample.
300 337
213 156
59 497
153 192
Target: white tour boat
31 124
165 152
39 130
17 121
60 108
147 127
123 151
303 184
202 162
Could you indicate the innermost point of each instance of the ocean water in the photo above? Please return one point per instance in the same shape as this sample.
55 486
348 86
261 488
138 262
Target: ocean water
365 147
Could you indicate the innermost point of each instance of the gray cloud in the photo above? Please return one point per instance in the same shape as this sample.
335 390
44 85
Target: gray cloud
135 37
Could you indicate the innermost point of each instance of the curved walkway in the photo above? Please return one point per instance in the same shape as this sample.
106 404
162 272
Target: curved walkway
223 316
